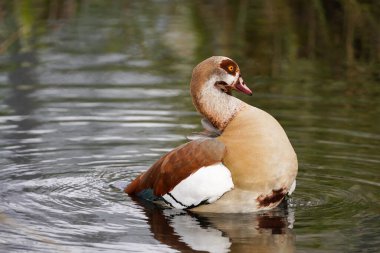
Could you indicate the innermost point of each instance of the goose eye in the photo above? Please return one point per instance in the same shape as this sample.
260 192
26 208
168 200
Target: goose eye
231 68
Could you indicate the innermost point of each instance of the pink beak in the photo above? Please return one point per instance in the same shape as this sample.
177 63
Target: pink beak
239 85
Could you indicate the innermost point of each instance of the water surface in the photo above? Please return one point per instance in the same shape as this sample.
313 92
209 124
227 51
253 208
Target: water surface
92 93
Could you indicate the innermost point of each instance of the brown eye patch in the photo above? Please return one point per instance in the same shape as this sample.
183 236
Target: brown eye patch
229 66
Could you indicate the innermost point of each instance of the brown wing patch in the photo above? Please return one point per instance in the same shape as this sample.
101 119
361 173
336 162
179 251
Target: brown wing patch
177 165
229 66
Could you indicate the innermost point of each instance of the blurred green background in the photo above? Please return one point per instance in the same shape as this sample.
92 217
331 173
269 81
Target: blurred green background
339 39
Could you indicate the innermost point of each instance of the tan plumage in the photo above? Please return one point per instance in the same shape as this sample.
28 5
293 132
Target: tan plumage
252 146
261 160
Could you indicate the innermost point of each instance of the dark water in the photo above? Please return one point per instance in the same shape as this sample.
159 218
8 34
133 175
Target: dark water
94 92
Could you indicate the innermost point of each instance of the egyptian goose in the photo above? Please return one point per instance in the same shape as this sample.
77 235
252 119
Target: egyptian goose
249 166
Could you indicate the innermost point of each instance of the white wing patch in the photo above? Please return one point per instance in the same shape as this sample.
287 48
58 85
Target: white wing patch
205 185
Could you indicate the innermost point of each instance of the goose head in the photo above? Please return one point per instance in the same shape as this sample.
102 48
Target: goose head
211 88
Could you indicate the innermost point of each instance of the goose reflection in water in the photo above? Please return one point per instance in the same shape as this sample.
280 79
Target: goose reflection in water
269 231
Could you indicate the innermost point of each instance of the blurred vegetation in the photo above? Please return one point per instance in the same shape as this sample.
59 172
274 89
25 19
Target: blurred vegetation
338 39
